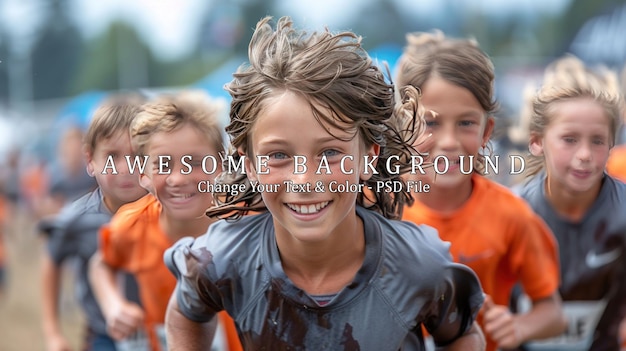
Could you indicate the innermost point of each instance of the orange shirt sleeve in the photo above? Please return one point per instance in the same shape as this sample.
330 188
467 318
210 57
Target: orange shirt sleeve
114 251
122 235
232 338
534 255
616 164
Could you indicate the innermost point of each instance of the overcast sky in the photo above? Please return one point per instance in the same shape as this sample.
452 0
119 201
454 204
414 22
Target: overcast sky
167 25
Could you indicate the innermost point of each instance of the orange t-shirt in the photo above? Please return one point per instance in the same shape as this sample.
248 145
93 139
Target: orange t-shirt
134 241
616 164
497 235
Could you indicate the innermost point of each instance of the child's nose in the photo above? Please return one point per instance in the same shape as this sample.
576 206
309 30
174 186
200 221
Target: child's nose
584 152
447 138
176 177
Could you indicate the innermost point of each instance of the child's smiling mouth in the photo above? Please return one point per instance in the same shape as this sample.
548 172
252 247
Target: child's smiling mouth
308 208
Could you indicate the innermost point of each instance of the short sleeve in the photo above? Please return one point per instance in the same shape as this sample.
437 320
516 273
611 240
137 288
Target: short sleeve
115 252
198 297
456 302
534 258
62 241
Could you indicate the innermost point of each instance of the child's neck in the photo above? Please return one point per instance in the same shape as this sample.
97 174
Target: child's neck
324 267
176 229
445 200
571 205
111 205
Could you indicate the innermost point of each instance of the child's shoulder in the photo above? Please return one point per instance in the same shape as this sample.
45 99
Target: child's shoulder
247 229
496 191
226 242
405 238
617 189
531 187
134 213
505 201
90 203
417 256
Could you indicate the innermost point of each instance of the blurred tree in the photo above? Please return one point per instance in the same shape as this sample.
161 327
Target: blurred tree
120 59
182 72
578 12
101 68
251 12
384 25
56 52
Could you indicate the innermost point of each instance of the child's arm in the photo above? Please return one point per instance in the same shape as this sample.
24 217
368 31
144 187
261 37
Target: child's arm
185 334
123 317
51 276
473 340
510 330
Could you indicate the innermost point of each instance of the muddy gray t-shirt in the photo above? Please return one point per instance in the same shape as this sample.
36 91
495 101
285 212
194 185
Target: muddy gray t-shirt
73 233
593 266
407 279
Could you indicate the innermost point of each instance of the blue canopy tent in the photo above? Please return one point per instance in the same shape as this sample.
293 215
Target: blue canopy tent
214 82
76 113
79 110
389 53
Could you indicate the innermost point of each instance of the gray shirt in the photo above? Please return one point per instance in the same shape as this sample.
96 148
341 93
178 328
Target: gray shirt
407 279
73 233
593 264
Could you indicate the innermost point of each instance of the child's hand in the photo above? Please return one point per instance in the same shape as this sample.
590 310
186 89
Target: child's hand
501 325
123 319
57 343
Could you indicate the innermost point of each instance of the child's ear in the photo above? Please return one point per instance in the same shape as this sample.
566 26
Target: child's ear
248 165
371 153
87 154
146 183
535 145
489 125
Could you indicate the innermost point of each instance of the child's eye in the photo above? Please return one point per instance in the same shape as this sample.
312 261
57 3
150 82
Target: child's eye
569 140
467 123
159 168
278 156
431 123
330 153
598 141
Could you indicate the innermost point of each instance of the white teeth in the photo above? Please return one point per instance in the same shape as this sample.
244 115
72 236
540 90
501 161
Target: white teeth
307 209
183 196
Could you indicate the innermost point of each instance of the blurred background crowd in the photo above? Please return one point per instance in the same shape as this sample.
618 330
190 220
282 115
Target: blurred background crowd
60 58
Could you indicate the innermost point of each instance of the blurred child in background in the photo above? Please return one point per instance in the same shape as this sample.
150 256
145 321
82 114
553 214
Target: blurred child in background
73 233
185 129
66 176
491 230
575 118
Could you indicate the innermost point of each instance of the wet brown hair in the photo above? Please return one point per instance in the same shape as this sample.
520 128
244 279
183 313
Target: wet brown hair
458 61
332 72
